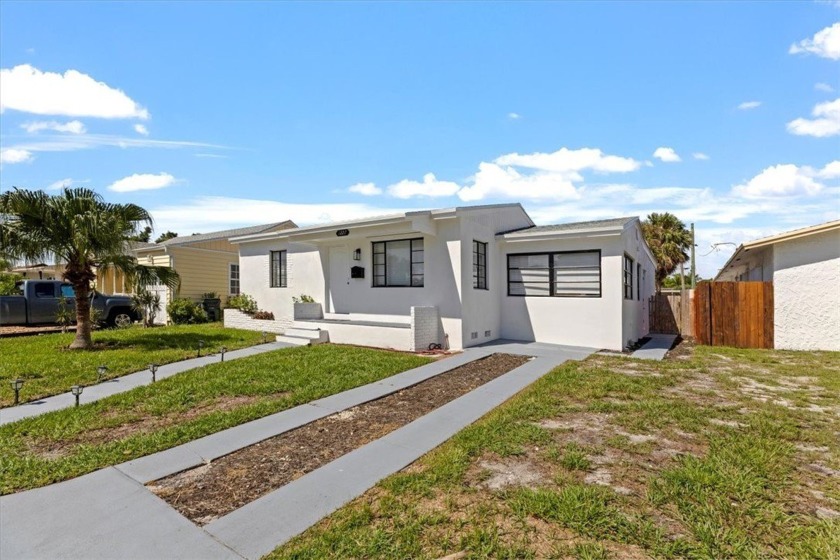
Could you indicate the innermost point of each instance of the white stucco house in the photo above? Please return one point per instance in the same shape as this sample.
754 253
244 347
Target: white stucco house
456 277
804 266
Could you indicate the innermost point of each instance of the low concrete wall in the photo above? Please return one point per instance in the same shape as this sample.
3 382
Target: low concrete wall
236 319
308 311
425 328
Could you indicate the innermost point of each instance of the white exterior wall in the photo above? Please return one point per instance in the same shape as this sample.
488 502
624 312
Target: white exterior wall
806 286
635 314
481 308
235 319
576 321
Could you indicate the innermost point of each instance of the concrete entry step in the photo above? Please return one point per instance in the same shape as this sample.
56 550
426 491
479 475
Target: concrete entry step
315 335
296 341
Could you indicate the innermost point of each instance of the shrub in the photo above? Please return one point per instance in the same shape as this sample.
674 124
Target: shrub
7 283
147 304
265 315
183 311
303 299
244 303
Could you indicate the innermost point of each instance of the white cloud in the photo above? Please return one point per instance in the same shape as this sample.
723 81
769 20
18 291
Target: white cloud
747 105
826 121
430 187
514 116
211 213
69 143
60 184
365 189
700 155
494 180
142 182
830 171
825 43
780 180
822 86
141 129
667 155
73 127
15 155
565 160
216 156
27 89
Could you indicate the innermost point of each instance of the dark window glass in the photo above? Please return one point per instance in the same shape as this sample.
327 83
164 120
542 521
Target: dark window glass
569 274
398 263
44 290
278 269
479 265
628 277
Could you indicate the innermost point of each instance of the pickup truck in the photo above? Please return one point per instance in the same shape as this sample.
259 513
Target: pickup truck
38 300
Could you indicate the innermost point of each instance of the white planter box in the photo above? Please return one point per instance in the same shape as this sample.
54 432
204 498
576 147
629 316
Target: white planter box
308 311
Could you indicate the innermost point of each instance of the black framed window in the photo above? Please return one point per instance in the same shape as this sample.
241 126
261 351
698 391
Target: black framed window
562 274
233 280
278 269
479 265
628 277
399 263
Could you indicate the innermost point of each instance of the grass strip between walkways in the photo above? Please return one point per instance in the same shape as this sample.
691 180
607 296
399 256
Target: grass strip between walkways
71 442
48 367
210 491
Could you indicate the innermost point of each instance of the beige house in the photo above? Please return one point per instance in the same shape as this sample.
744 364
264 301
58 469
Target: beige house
206 262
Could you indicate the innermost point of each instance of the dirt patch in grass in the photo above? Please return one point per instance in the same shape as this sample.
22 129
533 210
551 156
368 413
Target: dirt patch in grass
682 350
56 449
213 490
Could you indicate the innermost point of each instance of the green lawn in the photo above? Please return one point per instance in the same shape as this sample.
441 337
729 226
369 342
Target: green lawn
723 453
67 443
48 367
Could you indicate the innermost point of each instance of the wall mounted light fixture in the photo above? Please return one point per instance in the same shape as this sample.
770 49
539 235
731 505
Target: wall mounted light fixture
357 255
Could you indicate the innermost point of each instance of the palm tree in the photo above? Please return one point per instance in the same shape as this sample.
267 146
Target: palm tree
669 240
80 229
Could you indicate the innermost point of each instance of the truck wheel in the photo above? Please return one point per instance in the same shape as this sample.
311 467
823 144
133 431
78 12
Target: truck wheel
121 319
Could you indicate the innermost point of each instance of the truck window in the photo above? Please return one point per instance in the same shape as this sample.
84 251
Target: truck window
67 291
18 289
44 289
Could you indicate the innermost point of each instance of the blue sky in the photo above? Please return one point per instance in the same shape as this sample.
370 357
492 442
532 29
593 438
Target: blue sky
216 115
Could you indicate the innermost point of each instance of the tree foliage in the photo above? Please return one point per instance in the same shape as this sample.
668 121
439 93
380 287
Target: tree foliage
77 228
144 235
669 240
166 236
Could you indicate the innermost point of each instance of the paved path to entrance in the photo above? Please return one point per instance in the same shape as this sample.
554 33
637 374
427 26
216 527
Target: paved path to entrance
126 383
111 514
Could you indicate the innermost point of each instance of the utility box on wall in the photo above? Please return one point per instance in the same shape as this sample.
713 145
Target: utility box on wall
357 272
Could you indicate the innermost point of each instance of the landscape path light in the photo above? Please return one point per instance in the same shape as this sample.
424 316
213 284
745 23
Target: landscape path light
100 373
222 351
200 346
16 385
77 390
153 368
264 335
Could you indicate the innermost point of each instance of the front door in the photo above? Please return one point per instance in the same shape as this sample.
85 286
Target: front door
339 279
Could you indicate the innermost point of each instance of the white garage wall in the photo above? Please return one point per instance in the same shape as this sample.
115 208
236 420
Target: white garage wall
806 288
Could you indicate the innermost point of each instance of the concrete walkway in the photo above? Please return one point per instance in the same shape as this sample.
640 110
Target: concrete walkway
110 514
656 347
126 383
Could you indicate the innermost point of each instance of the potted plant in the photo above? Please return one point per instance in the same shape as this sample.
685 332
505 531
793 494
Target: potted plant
212 305
307 308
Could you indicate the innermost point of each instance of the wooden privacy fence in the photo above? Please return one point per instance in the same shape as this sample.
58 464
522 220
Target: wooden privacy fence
736 314
670 313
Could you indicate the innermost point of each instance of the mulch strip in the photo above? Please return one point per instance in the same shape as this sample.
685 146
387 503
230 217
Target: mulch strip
210 491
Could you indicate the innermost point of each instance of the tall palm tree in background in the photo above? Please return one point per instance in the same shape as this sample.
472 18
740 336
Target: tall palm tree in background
81 230
669 241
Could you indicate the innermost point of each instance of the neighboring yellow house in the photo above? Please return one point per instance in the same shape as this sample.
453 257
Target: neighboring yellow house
206 262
